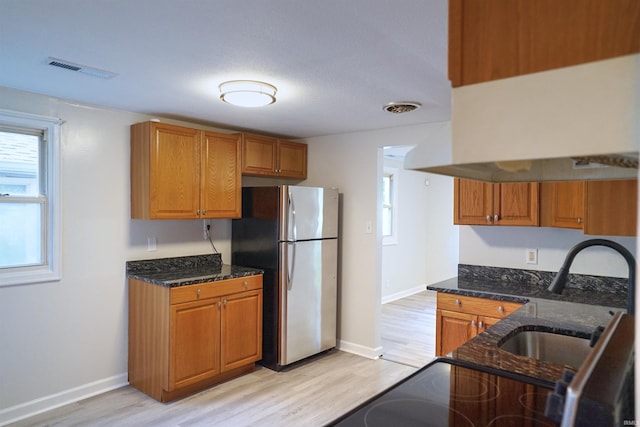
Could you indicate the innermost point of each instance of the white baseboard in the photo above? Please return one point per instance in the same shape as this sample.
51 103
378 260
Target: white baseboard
360 350
404 293
43 404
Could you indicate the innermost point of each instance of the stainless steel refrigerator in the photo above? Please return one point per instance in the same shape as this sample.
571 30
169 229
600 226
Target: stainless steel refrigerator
291 232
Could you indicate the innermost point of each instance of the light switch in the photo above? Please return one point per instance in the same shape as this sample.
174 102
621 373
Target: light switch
152 244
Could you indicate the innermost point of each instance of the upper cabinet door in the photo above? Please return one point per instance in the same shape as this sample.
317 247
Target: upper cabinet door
220 176
562 204
516 204
472 202
259 155
292 159
611 208
495 39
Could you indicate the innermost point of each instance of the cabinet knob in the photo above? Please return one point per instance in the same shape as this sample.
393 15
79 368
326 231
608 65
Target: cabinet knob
496 217
219 304
224 302
473 323
198 212
246 284
488 218
204 212
198 292
481 324
579 220
458 302
500 309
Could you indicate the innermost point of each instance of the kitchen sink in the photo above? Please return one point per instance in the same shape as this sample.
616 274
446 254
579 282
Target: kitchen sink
549 346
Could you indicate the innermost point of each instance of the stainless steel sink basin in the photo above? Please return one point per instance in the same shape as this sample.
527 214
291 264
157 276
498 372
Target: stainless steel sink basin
548 346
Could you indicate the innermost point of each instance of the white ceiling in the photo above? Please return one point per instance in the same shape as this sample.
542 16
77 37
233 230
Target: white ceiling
335 62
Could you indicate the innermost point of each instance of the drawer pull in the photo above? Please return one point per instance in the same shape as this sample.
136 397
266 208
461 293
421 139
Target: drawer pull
473 323
458 302
481 324
501 309
198 292
246 284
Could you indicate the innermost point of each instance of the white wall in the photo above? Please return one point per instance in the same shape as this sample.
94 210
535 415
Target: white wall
68 339
353 163
506 247
427 246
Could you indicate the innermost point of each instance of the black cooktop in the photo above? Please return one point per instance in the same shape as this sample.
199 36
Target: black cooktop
448 393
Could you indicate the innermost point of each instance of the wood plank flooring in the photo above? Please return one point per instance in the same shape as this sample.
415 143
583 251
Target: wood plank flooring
312 394
408 328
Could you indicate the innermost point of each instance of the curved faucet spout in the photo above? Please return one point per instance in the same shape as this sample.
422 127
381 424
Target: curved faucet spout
560 280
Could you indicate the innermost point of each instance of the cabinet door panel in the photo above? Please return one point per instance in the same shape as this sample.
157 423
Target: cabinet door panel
292 159
454 330
221 186
472 202
195 342
611 208
516 203
567 204
241 329
259 155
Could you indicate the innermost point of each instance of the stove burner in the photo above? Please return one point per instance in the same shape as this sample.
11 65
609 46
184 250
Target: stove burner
518 421
534 402
476 388
414 412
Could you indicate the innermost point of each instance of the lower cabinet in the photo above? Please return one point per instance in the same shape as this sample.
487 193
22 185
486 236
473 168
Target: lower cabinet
184 339
460 318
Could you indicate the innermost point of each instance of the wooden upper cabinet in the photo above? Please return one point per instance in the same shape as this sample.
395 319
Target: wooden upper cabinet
496 39
481 203
183 173
267 156
611 208
221 181
562 204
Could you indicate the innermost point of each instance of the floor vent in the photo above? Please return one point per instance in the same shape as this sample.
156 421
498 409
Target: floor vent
103 74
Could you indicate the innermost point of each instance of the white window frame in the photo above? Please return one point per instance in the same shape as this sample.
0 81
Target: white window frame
392 239
50 270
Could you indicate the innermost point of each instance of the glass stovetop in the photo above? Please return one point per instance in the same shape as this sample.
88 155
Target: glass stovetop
448 394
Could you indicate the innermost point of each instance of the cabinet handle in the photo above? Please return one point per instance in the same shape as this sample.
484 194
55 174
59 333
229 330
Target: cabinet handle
225 303
496 218
458 302
481 324
198 292
198 212
473 323
488 218
204 212
579 220
219 304
246 284
500 309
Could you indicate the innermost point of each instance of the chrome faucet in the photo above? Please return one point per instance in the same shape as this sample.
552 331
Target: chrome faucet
560 280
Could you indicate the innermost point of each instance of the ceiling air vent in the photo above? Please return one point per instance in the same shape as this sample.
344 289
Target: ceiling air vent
103 74
401 107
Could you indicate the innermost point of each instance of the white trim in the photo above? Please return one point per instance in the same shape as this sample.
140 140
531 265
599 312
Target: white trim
403 294
52 271
395 175
360 350
47 403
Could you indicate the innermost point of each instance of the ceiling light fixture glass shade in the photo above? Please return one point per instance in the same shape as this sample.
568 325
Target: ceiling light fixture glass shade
247 93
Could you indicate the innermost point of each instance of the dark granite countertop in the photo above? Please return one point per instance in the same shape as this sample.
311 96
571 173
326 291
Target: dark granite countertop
578 311
188 270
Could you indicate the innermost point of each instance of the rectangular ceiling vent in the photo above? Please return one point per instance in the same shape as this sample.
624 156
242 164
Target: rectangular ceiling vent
95 72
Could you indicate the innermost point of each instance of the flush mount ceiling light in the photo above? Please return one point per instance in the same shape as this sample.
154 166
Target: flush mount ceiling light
247 93
401 107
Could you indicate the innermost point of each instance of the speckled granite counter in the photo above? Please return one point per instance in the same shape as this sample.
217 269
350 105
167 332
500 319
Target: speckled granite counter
578 311
188 270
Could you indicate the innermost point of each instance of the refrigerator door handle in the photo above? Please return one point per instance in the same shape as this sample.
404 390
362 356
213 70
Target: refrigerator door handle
291 266
292 215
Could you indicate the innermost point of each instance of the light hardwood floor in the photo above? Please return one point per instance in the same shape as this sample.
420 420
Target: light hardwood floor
408 329
312 394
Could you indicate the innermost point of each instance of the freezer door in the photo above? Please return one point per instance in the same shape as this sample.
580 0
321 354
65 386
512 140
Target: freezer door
308 298
308 213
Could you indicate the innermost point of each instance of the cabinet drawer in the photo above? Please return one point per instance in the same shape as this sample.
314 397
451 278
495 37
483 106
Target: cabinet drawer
474 305
215 289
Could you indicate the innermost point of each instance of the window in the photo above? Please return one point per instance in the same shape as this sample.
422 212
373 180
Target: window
29 198
389 214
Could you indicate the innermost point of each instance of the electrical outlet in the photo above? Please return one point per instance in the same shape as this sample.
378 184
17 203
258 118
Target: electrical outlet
152 244
368 227
532 256
206 229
